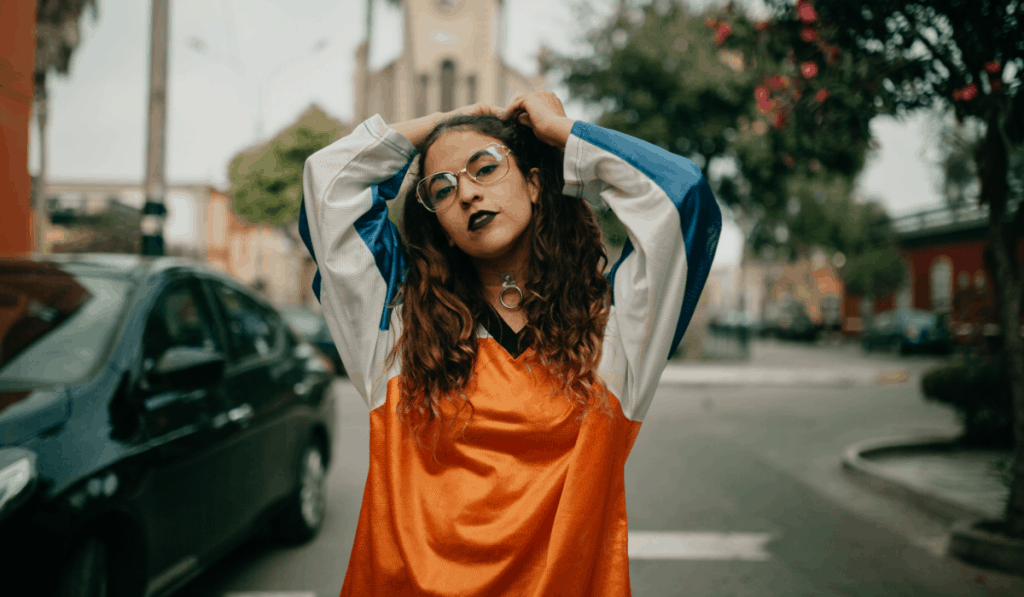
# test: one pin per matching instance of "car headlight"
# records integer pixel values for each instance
(17, 477)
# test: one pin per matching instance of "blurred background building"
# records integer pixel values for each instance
(450, 56)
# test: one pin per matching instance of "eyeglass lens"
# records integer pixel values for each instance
(484, 166)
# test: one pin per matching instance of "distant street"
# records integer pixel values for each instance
(732, 491)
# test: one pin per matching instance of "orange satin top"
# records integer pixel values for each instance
(528, 501)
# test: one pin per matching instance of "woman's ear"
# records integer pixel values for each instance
(533, 183)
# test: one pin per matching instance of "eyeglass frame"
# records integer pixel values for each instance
(464, 170)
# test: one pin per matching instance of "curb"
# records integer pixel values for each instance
(982, 548)
(966, 541)
(698, 375)
(881, 480)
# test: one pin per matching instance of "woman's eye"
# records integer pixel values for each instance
(442, 193)
(485, 170)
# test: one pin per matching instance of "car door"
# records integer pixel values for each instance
(261, 378)
(185, 448)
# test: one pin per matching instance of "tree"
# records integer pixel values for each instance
(57, 37)
(266, 181)
(967, 57)
(722, 86)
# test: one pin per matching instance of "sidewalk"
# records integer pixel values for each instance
(776, 363)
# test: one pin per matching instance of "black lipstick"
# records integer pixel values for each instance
(480, 219)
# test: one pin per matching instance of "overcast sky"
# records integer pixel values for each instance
(97, 118)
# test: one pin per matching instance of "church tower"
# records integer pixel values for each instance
(451, 56)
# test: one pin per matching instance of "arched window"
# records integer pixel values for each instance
(471, 89)
(447, 86)
(941, 278)
(421, 95)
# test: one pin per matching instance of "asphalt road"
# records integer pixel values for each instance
(734, 491)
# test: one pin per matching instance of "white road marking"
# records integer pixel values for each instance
(654, 545)
(272, 594)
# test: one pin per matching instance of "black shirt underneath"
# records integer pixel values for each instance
(511, 341)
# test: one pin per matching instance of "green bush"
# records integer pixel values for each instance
(978, 391)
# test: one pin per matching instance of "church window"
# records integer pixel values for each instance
(447, 86)
(421, 95)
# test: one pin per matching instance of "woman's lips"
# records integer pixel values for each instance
(480, 219)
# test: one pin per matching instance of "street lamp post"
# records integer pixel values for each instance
(263, 81)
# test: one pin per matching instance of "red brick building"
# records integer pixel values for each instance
(947, 270)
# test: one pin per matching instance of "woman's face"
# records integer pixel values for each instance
(510, 200)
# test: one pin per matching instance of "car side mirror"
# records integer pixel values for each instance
(187, 368)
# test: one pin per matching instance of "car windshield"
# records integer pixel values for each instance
(54, 323)
(304, 322)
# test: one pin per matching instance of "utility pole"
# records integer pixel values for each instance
(154, 211)
(366, 63)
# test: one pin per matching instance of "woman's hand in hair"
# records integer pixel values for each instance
(417, 129)
(542, 111)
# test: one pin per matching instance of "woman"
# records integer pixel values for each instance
(506, 375)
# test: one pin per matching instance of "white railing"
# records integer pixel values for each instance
(972, 213)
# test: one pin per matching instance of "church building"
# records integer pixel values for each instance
(450, 56)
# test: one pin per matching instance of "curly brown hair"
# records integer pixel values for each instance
(566, 295)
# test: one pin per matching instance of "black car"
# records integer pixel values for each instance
(153, 413)
(313, 327)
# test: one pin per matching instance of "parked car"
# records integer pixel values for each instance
(153, 413)
(789, 320)
(908, 330)
(738, 320)
(313, 327)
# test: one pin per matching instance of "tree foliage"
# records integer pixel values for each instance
(266, 181)
(967, 57)
(721, 85)
(57, 33)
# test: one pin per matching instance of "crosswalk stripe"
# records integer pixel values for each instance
(654, 545)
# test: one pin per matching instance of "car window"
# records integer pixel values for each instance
(179, 318)
(55, 325)
(253, 329)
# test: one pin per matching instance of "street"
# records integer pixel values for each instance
(731, 491)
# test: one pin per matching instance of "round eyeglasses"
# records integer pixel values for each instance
(486, 165)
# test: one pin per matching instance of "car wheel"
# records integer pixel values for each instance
(304, 514)
(85, 573)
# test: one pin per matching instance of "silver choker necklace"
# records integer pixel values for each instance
(509, 283)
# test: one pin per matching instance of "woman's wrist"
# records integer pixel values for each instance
(560, 130)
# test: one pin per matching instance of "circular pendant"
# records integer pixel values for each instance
(510, 284)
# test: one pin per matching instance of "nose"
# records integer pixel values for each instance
(468, 190)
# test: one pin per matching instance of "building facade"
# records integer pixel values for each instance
(451, 56)
(947, 267)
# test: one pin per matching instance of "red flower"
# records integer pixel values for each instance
(821, 96)
(967, 93)
(789, 161)
(806, 12)
(722, 33)
(764, 100)
(807, 34)
(992, 67)
(809, 69)
(777, 81)
(779, 120)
